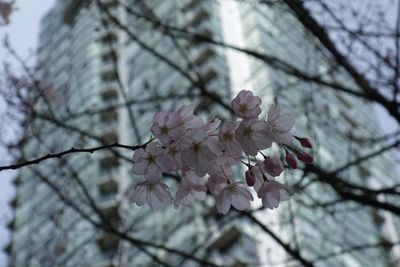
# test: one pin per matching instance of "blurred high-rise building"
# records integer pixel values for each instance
(101, 83)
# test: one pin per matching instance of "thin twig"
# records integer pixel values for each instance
(69, 151)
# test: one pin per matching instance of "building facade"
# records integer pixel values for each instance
(102, 83)
(332, 119)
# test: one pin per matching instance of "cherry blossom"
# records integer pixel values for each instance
(304, 141)
(190, 121)
(272, 193)
(280, 124)
(228, 141)
(151, 162)
(192, 187)
(253, 135)
(167, 127)
(204, 155)
(216, 183)
(305, 157)
(172, 151)
(246, 105)
(5, 11)
(233, 195)
(273, 165)
(196, 151)
(222, 166)
(291, 160)
(155, 194)
(250, 176)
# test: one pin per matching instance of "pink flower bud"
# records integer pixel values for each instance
(305, 142)
(273, 165)
(305, 157)
(250, 177)
(291, 161)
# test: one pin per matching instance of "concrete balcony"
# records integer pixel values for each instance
(202, 34)
(71, 9)
(11, 224)
(109, 75)
(16, 180)
(109, 97)
(108, 242)
(204, 54)
(225, 239)
(109, 38)
(238, 263)
(109, 115)
(7, 248)
(109, 210)
(13, 202)
(209, 75)
(198, 17)
(108, 187)
(107, 263)
(110, 137)
(110, 3)
(190, 4)
(109, 92)
(109, 161)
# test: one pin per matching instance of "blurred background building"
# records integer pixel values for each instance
(104, 84)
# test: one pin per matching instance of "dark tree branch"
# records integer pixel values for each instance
(320, 33)
(69, 151)
(294, 253)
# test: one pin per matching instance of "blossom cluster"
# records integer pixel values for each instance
(5, 11)
(202, 156)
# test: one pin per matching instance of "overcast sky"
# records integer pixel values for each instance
(23, 33)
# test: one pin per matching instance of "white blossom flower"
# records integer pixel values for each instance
(155, 195)
(279, 124)
(190, 121)
(196, 151)
(233, 195)
(272, 193)
(228, 141)
(151, 162)
(246, 105)
(192, 148)
(192, 187)
(167, 127)
(253, 135)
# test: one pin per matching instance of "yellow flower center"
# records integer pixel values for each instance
(243, 108)
(248, 131)
(228, 136)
